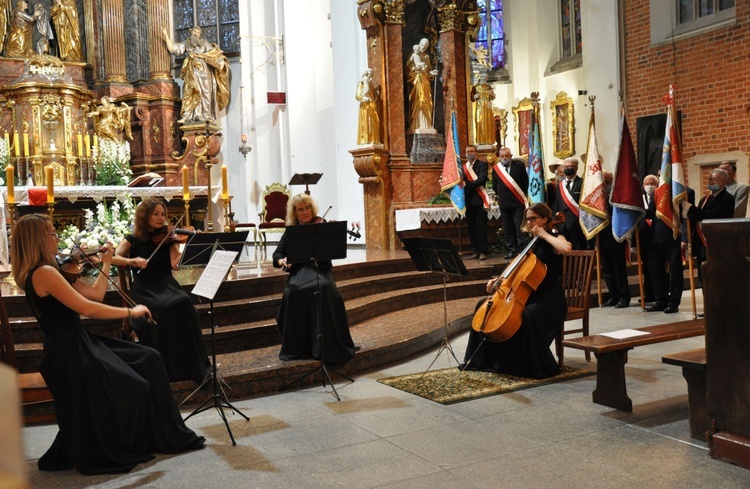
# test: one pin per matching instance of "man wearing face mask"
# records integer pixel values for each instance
(717, 204)
(511, 182)
(477, 202)
(567, 196)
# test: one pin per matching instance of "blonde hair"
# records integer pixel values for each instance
(30, 248)
(291, 215)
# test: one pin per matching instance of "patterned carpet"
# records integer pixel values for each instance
(450, 385)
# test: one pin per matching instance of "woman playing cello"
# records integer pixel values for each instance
(306, 331)
(527, 353)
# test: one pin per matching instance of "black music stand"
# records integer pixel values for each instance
(305, 179)
(309, 245)
(217, 268)
(438, 256)
(201, 246)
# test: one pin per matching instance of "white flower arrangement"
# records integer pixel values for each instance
(110, 224)
(113, 163)
(4, 157)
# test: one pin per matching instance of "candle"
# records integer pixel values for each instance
(80, 145)
(16, 145)
(7, 142)
(224, 183)
(96, 142)
(10, 175)
(87, 140)
(244, 138)
(26, 144)
(50, 185)
(185, 188)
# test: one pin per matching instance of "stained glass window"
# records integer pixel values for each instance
(491, 35)
(570, 27)
(692, 10)
(219, 21)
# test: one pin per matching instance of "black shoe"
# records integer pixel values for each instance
(482, 256)
(611, 302)
(656, 307)
(670, 310)
(509, 255)
(473, 257)
(700, 315)
(622, 303)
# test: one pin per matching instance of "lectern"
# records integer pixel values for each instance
(305, 179)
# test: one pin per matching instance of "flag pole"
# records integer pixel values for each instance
(598, 273)
(640, 267)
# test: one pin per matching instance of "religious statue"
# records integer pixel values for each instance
(205, 76)
(21, 27)
(368, 128)
(65, 19)
(4, 10)
(421, 75)
(484, 118)
(44, 28)
(111, 120)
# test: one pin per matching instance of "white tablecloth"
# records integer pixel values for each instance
(407, 219)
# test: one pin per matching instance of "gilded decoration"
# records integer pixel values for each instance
(501, 125)
(449, 17)
(522, 116)
(394, 12)
(563, 126)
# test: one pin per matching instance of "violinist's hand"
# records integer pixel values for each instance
(490, 288)
(283, 264)
(137, 262)
(106, 253)
(140, 311)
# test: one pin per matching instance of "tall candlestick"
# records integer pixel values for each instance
(80, 145)
(16, 145)
(50, 184)
(87, 140)
(185, 188)
(224, 183)
(10, 175)
(26, 144)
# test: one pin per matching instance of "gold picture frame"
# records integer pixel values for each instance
(563, 126)
(522, 117)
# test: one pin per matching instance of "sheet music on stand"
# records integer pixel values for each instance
(213, 276)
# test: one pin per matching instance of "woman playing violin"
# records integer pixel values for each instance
(109, 395)
(306, 330)
(177, 334)
(527, 353)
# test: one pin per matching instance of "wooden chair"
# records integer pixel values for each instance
(273, 216)
(33, 387)
(576, 281)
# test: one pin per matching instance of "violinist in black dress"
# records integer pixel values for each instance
(177, 333)
(305, 331)
(113, 402)
(527, 353)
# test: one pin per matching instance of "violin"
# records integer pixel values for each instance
(172, 234)
(74, 264)
(501, 314)
(353, 233)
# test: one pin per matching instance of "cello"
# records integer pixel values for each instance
(501, 314)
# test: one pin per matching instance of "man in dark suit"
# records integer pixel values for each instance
(477, 203)
(717, 204)
(511, 182)
(567, 197)
(613, 258)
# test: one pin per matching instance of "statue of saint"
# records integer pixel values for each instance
(44, 28)
(111, 120)
(21, 27)
(368, 129)
(205, 76)
(421, 75)
(4, 10)
(484, 119)
(65, 18)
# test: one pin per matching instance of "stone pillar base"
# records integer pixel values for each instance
(426, 148)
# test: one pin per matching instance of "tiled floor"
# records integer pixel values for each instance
(546, 437)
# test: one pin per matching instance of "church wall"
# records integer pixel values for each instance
(533, 48)
(710, 74)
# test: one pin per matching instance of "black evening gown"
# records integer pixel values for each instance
(177, 334)
(527, 353)
(112, 398)
(303, 336)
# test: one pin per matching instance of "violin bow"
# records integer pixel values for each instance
(162, 241)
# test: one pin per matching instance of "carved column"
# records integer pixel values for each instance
(113, 35)
(159, 59)
(455, 78)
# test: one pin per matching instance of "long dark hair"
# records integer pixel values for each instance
(142, 213)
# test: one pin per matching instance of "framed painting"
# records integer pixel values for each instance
(522, 116)
(563, 126)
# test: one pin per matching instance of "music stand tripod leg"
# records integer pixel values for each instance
(446, 344)
(218, 399)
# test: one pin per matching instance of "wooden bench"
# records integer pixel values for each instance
(612, 355)
(693, 363)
